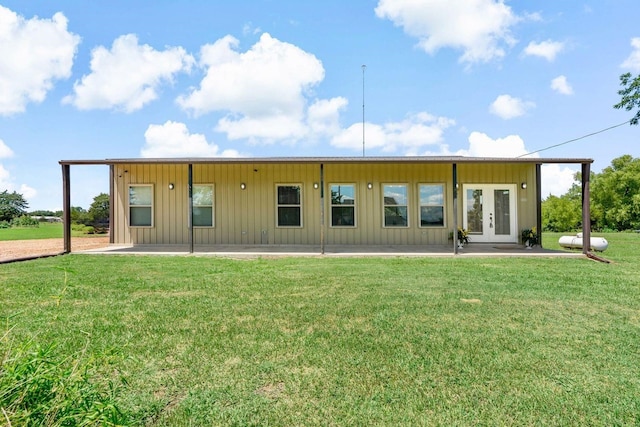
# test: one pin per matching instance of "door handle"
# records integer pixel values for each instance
(491, 220)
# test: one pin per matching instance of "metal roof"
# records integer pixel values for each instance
(398, 159)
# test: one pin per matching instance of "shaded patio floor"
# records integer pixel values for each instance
(246, 251)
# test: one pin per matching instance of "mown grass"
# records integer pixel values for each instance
(45, 230)
(344, 341)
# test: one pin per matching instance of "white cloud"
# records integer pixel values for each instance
(27, 192)
(556, 179)
(33, 54)
(409, 135)
(561, 85)
(480, 28)
(633, 61)
(173, 139)
(128, 76)
(6, 183)
(324, 114)
(264, 88)
(508, 107)
(547, 49)
(5, 151)
(481, 145)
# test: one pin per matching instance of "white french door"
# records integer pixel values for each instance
(490, 212)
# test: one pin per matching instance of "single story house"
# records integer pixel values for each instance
(322, 200)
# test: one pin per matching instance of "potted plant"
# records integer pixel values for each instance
(530, 237)
(463, 237)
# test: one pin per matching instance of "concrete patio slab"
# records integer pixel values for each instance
(477, 249)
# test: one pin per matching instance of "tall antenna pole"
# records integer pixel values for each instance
(363, 68)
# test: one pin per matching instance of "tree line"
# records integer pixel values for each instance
(13, 213)
(615, 200)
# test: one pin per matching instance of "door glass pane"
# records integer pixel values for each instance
(503, 214)
(474, 211)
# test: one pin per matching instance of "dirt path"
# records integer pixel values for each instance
(12, 249)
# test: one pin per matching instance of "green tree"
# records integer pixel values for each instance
(79, 215)
(99, 210)
(615, 194)
(12, 205)
(562, 213)
(630, 94)
(43, 213)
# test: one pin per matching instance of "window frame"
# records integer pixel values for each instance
(134, 206)
(353, 206)
(299, 205)
(406, 206)
(212, 205)
(444, 204)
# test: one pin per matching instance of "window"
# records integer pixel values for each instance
(202, 205)
(141, 205)
(431, 205)
(289, 206)
(343, 200)
(395, 205)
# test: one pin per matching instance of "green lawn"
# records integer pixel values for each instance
(343, 341)
(44, 231)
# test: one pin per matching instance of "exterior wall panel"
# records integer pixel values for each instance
(249, 216)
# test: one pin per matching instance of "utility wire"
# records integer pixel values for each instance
(575, 139)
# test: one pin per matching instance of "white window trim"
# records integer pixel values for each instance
(213, 205)
(129, 206)
(355, 204)
(408, 187)
(444, 205)
(292, 184)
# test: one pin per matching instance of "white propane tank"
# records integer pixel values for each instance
(575, 242)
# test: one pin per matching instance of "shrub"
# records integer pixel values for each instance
(5, 224)
(81, 228)
(25, 221)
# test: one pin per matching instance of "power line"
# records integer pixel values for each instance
(575, 139)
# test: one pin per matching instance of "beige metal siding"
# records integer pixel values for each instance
(369, 203)
(249, 216)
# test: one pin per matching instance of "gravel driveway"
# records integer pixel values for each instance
(13, 249)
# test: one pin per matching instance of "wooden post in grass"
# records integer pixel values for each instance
(586, 209)
(66, 208)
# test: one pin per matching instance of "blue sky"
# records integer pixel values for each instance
(120, 79)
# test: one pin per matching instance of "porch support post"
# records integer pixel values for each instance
(455, 208)
(539, 202)
(190, 208)
(586, 208)
(66, 207)
(111, 203)
(322, 208)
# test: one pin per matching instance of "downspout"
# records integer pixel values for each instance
(455, 208)
(190, 208)
(539, 202)
(586, 209)
(66, 208)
